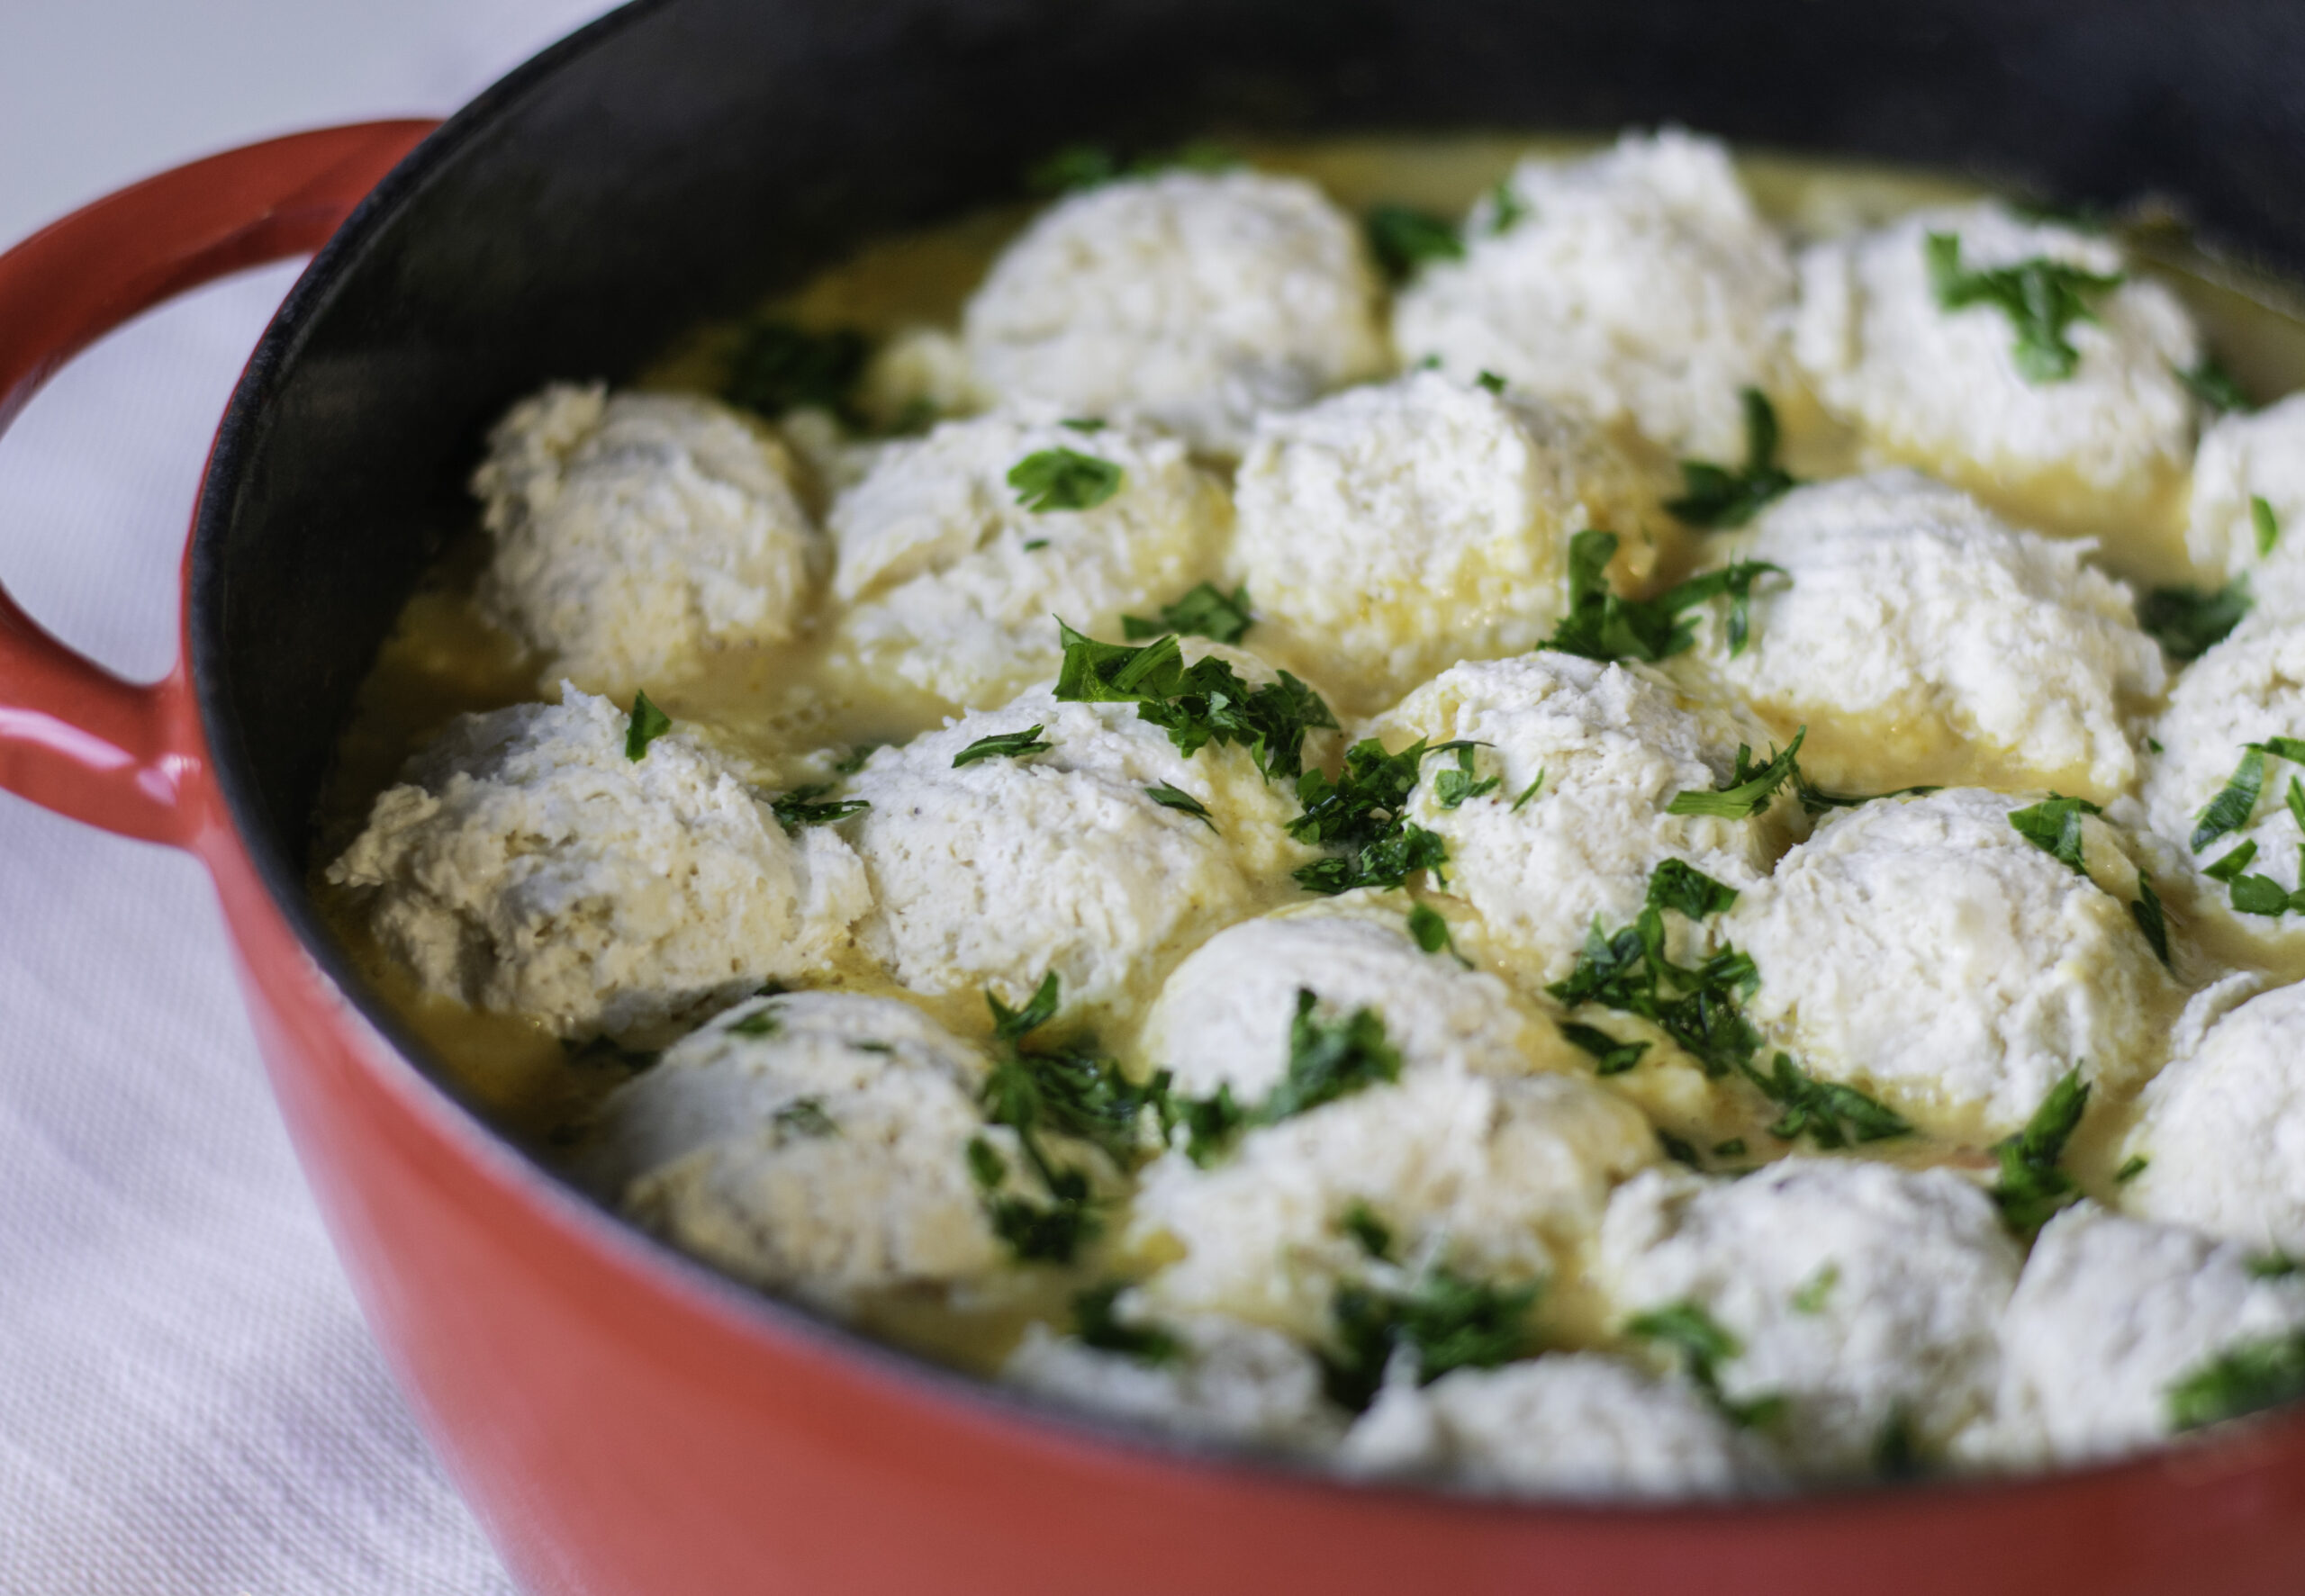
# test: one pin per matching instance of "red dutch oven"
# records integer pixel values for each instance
(624, 1422)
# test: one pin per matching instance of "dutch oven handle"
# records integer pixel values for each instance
(73, 736)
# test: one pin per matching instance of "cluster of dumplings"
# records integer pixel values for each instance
(1396, 477)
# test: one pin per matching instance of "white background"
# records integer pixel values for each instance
(188, 1403)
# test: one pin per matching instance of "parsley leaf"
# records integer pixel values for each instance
(1829, 1113)
(1181, 801)
(2246, 1378)
(1751, 787)
(2188, 622)
(1075, 167)
(761, 1021)
(1716, 496)
(2042, 298)
(2151, 919)
(1812, 1297)
(801, 807)
(1096, 1325)
(778, 366)
(1816, 800)
(1697, 1008)
(1203, 703)
(1704, 1346)
(2230, 809)
(2054, 828)
(1403, 238)
(1203, 612)
(2271, 1266)
(2252, 895)
(1452, 789)
(1602, 625)
(1064, 479)
(1688, 890)
(1506, 208)
(1528, 792)
(1004, 745)
(1034, 1232)
(805, 1116)
(2135, 1165)
(1327, 1059)
(1429, 930)
(2267, 525)
(849, 764)
(1011, 1024)
(1210, 1123)
(2031, 1188)
(2213, 385)
(1360, 1223)
(647, 723)
(1610, 1056)
(1443, 1323)
(1364, 812)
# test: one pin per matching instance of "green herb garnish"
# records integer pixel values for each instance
(1683, 888)
(1443, 1323)
(2042, 299)
(2151, 919)
(1004, 745)
(1403, 238)
(1428, 929)
(806, 1117)
(647, 723)
(778, 366)
(2188, 622)
(1327, 1059)
(1813, 1295)
(1829, 1113)
(2253, 895)
(1077, 166)
(1181, 801)
(1203, 612)
(1750, 788)
(1687, 1329)
(2248, 1378)
(1064, 479)
(1096, 1324)
(1051, 1232)
(1452, 789)
(1676, 1150)
(2054, 827)
(1602, 625)
(1506, 208)
(2135, 1165)
(2231, 808)
(2032, 1187)
(761, 1021)
(1696, 1008)
(1360, 1223)
(2265, 523)
(1364, 812)
(802, 806)
(2213, 385)
(1610, 1056)
(1206, 702)
(2272, 1266)
(1717, 496)
(1528, 792)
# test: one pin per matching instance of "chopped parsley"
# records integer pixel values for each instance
(1210, 1123)
(803, 807)
(1064, 479)
(1443, 1322)
(2032, 1188)
(600, 1050)
(2054, 828)
(2135, 1165)
(1610, 1056)
(1203, 612)
(2213, 385)
(1686, 1328)
(2253, 895)
(1012, 1024)
(1076, 167)
(805, 1116)
(2248, 1378)
(779, 366)
(647, 723)
(1051, 1232)
(1750, 788)
(2151, 919)
(2188, 622)
(1682, 886)
(1428, 929)
(1327, 1059)
(1718, 496)
(1734, 1148)
(1696, 1008)
(2272, 1266)
(1829, 1113)
(1004, 745)
(1676, 1150)
(1452, 789)
(2230, 809)
(2265, 523)
(1096, 1325)
(2042, 299)
(1181, 801)
(1528, 792)
(1364, 813)
(1602, 625)
(1489, 381)
(849, 764)
(1206, 702)
(1506, 208)
(1815, 1293)
(761, 1021)
(1403, 238)
(1360, 1223)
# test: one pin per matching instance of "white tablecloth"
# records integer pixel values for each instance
(188, 1400)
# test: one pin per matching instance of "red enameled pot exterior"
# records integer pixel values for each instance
(625, 1425)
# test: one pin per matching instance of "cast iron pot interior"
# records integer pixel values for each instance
(681, 158)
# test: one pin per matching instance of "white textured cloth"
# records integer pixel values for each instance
(188, 1401)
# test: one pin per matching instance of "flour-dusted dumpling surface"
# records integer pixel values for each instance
(815, 1142)
(2110, 1315)
(2248, 689)
(1401, 528)
(2223, 1131)
(633, 533)
(525, 864)
(2245, 457)
(1575, 1424)
(1923, 951)
(1212, 1377)
(1541, 859)
(1865, 1297)
(1922, 639)
(1224, 1018)
(1947, 389)
(1637, 285)
(956, 585)
(1491, 1178)
(1195, 300)
(996, 872)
